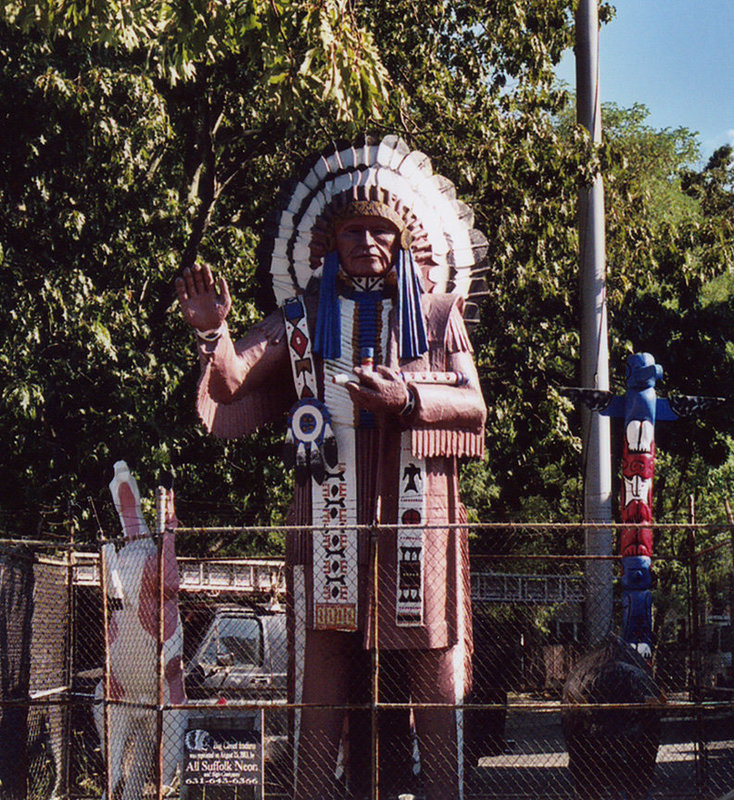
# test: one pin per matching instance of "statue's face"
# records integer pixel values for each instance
(367, 246)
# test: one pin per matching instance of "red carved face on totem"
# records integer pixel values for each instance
(636, 541)
(367, 246)
(638, 511)
(636, 496)
(641, 464)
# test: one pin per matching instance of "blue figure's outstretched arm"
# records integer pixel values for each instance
(605, 402)
(686, 406)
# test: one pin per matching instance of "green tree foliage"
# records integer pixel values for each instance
(476, 93)
(669, 261)
(113, 167)
(140, 138)
(294, 51)
(678, 307)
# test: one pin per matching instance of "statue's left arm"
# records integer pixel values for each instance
(445, 419)
(448, 420)
(460, 406)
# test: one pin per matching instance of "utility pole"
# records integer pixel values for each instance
(594, 346)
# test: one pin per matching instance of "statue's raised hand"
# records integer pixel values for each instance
(204, 304)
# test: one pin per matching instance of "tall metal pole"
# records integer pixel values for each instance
(594, 347)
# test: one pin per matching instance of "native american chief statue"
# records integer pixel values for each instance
(370, 257)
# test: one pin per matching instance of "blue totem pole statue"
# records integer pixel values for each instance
(640, 407)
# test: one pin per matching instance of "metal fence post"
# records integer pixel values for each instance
(262, 752)
(697, 667)
(374, 720)
(730, 520)
(69, 664)
(107, 672)
(160, 526)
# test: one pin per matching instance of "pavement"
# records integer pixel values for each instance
(537, 765)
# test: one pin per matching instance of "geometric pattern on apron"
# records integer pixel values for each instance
(334, 503)
(410, 540)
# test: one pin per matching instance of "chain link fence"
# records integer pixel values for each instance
(35, 671)
(482, 685)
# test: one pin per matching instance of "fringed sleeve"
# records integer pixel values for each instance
(433, 442)
(448, 420)
(244, 385)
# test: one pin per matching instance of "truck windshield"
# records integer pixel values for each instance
(237, 639)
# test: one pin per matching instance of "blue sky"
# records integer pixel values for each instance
(677, 58)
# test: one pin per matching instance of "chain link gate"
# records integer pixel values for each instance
(393, 736)
(35, 669)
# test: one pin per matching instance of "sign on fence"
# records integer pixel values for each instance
(218, 754)
(223, 758)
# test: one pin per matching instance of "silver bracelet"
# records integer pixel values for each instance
(211, 335)
(409, 403)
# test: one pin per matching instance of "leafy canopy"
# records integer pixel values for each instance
(302, 51)
(139, 138)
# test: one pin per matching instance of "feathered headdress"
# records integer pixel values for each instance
(383, 178)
